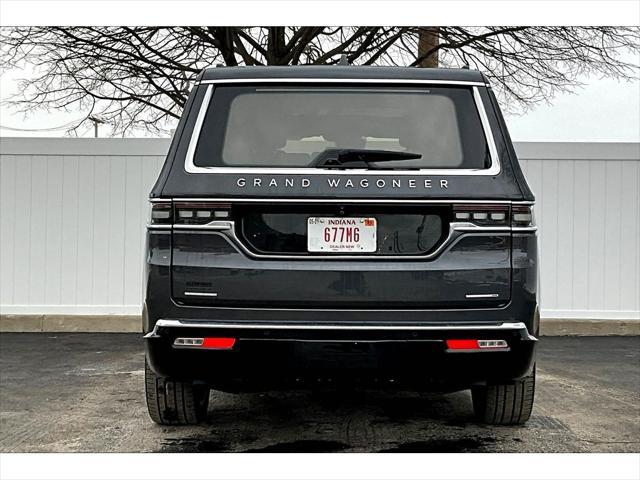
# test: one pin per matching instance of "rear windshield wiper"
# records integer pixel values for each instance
(358, 157)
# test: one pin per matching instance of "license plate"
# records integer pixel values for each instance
(341, 234)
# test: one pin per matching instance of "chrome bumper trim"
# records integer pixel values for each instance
(380, 201)
(279, 326)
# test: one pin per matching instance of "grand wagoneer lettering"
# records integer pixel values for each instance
(336, 183)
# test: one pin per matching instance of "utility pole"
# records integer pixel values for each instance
(428, 39)
(96, 121)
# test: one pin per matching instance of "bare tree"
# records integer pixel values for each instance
(139, 77)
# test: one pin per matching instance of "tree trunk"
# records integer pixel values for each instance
(427, 41)
(276, 46)
(225, 41)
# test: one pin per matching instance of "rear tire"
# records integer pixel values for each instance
(505, 404)
(174, 403)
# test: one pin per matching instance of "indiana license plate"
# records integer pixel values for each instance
(341, 234)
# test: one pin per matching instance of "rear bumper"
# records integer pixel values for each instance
(289, 355)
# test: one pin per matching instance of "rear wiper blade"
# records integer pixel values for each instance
(358, 157)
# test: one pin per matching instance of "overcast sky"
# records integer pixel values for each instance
(603, 110)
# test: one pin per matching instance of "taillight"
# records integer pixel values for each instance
(161, 213)
(521, 216)
(494, 214)
(210, 343)
(462, 344)
(201, 213)
(482, 214)
(471, 345)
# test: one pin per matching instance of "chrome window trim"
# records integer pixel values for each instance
(191, 167)
(189, 164)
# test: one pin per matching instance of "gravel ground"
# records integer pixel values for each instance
(84, 393)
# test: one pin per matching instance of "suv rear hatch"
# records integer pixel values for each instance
(325, 198)
(256, 255)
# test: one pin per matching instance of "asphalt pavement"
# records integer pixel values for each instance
(85, 393)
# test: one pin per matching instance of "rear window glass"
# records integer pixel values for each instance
(289, 127)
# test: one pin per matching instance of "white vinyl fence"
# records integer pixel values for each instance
(72, 216)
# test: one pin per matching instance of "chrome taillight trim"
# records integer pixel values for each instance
(191, 167)
(213, 225)
(456, 231)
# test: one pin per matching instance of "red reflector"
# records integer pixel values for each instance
(462, 344)
(221, 343)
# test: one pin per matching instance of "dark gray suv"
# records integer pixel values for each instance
(328, 227)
